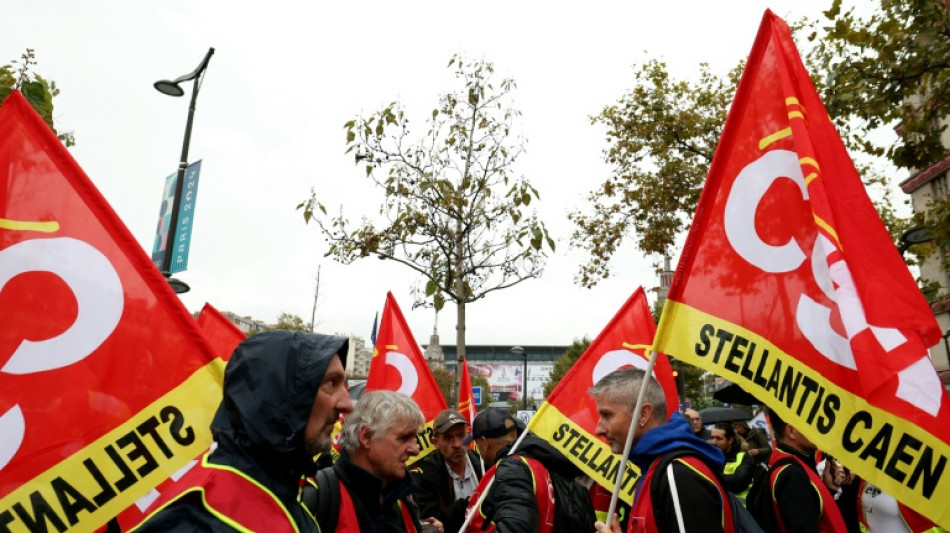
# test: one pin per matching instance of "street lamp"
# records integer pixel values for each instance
(914, 235)
(172, 88)
(518, 350)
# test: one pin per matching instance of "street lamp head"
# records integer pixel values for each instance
(177, 285)
(171, 88)
(914, 235)
(518, 350)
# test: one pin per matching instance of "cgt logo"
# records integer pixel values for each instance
(917, 383)
(100, 299)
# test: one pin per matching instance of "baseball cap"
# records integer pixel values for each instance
(490, 423)
(446, 419)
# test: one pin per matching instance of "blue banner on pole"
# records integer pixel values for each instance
(181, 242)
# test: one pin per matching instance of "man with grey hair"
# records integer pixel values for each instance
(370, 484)
(678, 489)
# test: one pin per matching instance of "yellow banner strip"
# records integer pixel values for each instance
(891, 452)
(589, 453)
(94, 484)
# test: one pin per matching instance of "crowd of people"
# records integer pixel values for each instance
(284, 391)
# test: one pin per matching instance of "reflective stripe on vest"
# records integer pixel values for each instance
(348, 522)
(731, 468)
(642, 518)
(831, 520)
(543, 493)
(231, 496)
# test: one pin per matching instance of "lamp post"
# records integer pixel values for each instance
(914, 235)
(518, 350)
(172, 88)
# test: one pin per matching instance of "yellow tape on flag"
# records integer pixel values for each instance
(589, 453)
(897, 456)
(94, 484)
(424, 440)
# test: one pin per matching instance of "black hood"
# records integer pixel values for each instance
(270, 384)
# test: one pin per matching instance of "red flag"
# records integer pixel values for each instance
(107, 386)
(568, 418)
(466, 396)
(790, 286)
(398, 365)
(221, 332)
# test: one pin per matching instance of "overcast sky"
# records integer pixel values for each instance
(284, 79)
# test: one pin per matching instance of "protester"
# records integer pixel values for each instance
(283, 391)
(449, 475)
(739, 468)
(696, 420)
(535, 489)
(374, 484)
(754, 441)
(684, 493)
(801, 497)
(879, 512)
(492, 430)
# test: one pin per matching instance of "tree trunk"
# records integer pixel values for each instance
(460, 306)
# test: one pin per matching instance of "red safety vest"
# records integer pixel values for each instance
(348, 522)
(915, 522)
(642, 519)
(543, 493)
(831, 520)
(230, 496)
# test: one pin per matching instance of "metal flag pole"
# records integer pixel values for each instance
(647, 374)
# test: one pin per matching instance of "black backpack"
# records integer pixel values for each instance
(758, 501)
(323, 499)
(741, 519)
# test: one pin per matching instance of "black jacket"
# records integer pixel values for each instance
(799, 505)
(511, 502)
(435, 495)
(739, 480)
(377, 509)
(269, 388)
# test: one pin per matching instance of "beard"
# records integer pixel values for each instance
(318, 445)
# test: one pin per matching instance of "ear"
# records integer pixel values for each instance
(646, 413)
(366, 437)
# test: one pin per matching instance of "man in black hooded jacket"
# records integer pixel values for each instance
(283, 391)
(513, 503)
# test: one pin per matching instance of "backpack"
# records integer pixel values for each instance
(742, 520)
(758, 501)
(323, 498)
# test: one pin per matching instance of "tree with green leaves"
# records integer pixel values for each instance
(289, 321)
(455, 209)
(565, 362)
(662, 133)
(38, 91)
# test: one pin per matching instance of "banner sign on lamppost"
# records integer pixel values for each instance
(181, 240)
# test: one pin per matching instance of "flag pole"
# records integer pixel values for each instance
(647, 374)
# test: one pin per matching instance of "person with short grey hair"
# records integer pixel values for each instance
(377, 440)
(378, 412)
(679, 488)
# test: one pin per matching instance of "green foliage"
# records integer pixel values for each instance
(38, 91)
(661, 134)
(455, 212)
(446, 382)
(697, 382)
(289, 321)
(890, 67)
(565, 362)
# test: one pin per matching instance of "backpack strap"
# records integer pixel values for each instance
(661, 468)
(327, 508)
